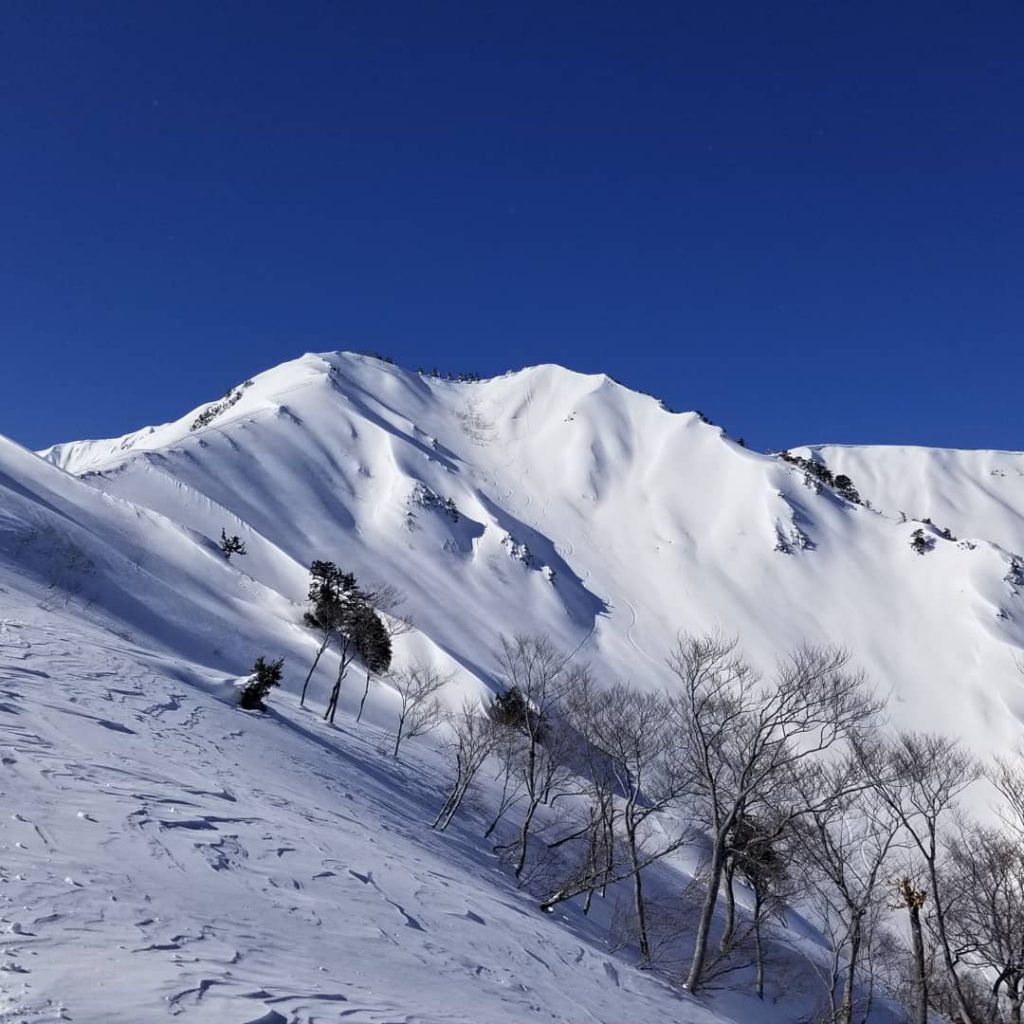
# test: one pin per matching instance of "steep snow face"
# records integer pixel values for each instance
(95, 555)
(550, 501)
(974, 494)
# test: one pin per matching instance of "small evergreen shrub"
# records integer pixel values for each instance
(846, 490)
(211, 412)
(265, 676)
(921, 542)
(510, 709)
(232, 545)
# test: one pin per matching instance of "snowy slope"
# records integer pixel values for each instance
(168, 855)
(977, 493)
(638, 523)
(165, 854)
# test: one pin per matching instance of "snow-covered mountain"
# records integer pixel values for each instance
(552, 501)
(167, 854)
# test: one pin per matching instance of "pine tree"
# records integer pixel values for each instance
(330, 590)
(232, 545)
(344, 629)
(921, 542)
(845, 489)
(373, 644)
(510, 708)
(264, 678)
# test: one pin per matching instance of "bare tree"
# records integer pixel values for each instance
(912, 898)
(473, 739)
(591, 822)
(630, 732)
(986, 923)
(741, 740)
(925, 776)
(757, 859)
(540, 675)
(419, 709)
(845, 842)
(508, 745)
(593, 837)
(1008, 778)
(388, 599)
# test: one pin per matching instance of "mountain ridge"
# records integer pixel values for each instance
(600, 517)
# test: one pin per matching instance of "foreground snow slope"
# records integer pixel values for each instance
(165, 854)
(547, 500)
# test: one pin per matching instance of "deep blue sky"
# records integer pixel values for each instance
(806, 219)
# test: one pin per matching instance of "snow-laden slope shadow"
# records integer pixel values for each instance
(582, 605)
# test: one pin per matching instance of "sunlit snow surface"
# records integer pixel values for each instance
(167, 854)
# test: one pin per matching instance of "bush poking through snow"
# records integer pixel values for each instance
(921, 542)
(264, 678)
(846, 490)
(232, 545)
(212, 411)
(1015, 575)
(509, 708)
(817, 475)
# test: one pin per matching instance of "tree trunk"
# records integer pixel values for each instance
(366, 690)
(846, 1007)
(502, 808)
(452, 805)
(503, 804)
(316, 661)
(609, 853)
(729, 875)
(398, 737)
(524, 835)
(758, 944)
(444, 810)
(707, 913)
(947, 956)
(638, 907)
(638, 896)
(343, 664)
(332, 704)
(920, 975)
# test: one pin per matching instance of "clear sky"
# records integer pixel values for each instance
(804, 218)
